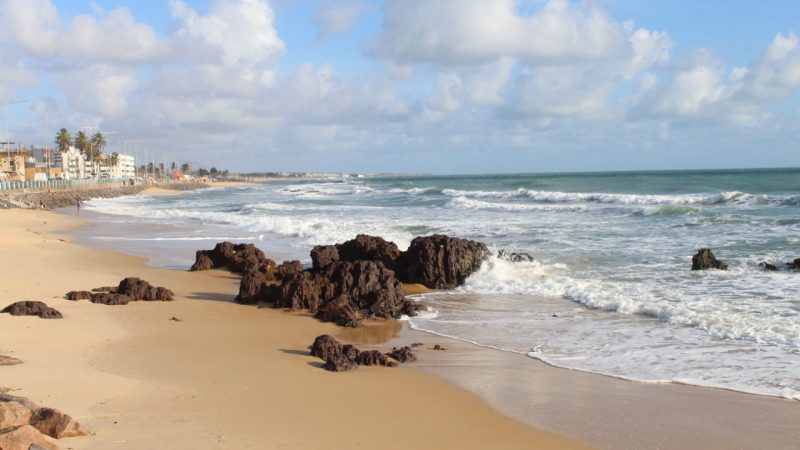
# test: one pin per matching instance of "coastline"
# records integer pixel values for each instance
(225, 376)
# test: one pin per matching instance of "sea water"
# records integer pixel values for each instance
(610, 288)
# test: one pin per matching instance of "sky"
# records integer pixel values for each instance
(411, 86)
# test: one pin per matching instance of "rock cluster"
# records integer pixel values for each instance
(342, 357)
(32, 308)
(704, 259)
(23, 424)
(129, 289)
(239, 258)
(514, 256)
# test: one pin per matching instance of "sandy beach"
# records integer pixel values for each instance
(223, 376)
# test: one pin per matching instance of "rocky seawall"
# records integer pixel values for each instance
(63, 198)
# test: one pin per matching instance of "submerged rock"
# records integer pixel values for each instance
(767, 266)
(514, 256)
(793, 265)
(704, 259)
(440, 262)
(32, 308)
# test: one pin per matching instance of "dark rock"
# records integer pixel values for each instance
(288, 268)
(323, 255)
(202, 261)
(417, 344)
(105, 298)
(138, 289)
(704, 259)
(374, 358)
(325, 346)
(108, 289)
(793, 265)
(440, 262)
(78, 295)
(350, 352)
(301, 290)
(411, 308)
(234, 257)
(369, 248)
(32, 308)
(339, 311)
(767, 266)
(402, 354)
(514, 256)
(251, 288)
(337, 363)
(438, 347)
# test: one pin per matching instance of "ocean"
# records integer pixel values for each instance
(609, 291)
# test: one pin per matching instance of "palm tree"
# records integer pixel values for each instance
(82, 143)
(185, 168)
(63, 140)
(113, 159)
(98, 143)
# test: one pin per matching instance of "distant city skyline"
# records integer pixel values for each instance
(449, 86)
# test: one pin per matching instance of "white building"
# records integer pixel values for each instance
(72, 163)
(125, 167)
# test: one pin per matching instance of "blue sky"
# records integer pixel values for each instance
(448, 86)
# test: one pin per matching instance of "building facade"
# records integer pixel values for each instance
(72, 163)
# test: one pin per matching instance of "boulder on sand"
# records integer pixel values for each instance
(25, 437)
(362, 248)
(32, 308)
(138, 289)
(440, 262)
(324, 346)
(13, 414)
(78, 295)
(104, 298)
(704, 259)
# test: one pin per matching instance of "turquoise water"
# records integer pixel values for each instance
(610, 290)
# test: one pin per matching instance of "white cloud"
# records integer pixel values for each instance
(477, 31)
(241, 31)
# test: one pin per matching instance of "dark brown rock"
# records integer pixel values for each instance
(411, 308)
(440, 262)
(303, 290)
(32, 308)
(350, 352)
(288, 268)
(402, 354)
(368, 284)
(337, 363)
(251, 288)
(438, 347)
(767, 266)
(138, 289)
(107, 289)
(793, 265)
(514, 256)
(104, 298)
(325, 346)
(202, 261)
(704, 259)
(323, 255)
(56, 424)
(78, 295)
(234, 257)
(374, 358)
(339, 311)
(369, 248)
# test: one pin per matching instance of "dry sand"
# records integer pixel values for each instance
(224, 376)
